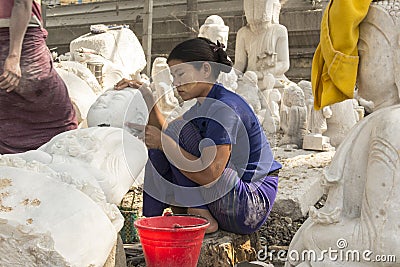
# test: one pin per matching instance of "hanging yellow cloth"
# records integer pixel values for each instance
(335, 62)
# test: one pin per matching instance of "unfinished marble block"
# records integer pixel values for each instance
(80, 93)
(44, 222)
(121, 47)
(316, 142)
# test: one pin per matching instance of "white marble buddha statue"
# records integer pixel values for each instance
(262, 45)
(215, 29)
(73, 172)
(363, 180)
(163, 89)
(112, 155)
(293, 123)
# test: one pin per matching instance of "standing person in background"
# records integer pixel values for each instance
(34, 101)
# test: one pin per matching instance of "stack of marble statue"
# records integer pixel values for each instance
(262, 54)
(117, 53)
(360, 220)
(58, 204)
(261, 60)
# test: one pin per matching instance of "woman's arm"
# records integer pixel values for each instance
(20, 16)
(204, 170)
(156, 118)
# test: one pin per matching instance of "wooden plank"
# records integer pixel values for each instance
(105, 12)
(66, 23)
(100, 7)
(147, 33)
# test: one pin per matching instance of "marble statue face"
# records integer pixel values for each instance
(375, 71)
(258, 11)
(115, 108)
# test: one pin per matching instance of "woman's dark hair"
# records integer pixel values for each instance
(202, 49)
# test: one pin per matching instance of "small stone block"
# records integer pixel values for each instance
(316, 142)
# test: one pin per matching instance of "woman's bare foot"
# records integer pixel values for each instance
(206, 214)
(179, 210)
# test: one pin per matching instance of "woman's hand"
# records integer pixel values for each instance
(127, 83)
(136, 129)
(152, 137)
(9, 79)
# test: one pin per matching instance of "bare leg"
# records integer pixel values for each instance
(206, 214)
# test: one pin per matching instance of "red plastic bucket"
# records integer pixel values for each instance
(171, 241)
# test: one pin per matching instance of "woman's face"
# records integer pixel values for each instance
(375, 77)
(188, 80)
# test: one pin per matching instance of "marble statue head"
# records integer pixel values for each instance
(260, 11)
(275, 95)
(250, 77)
(294, 96)
(378, 77)
(215, 29)
(117, 107)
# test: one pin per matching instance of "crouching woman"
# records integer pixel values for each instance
(215, 161)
